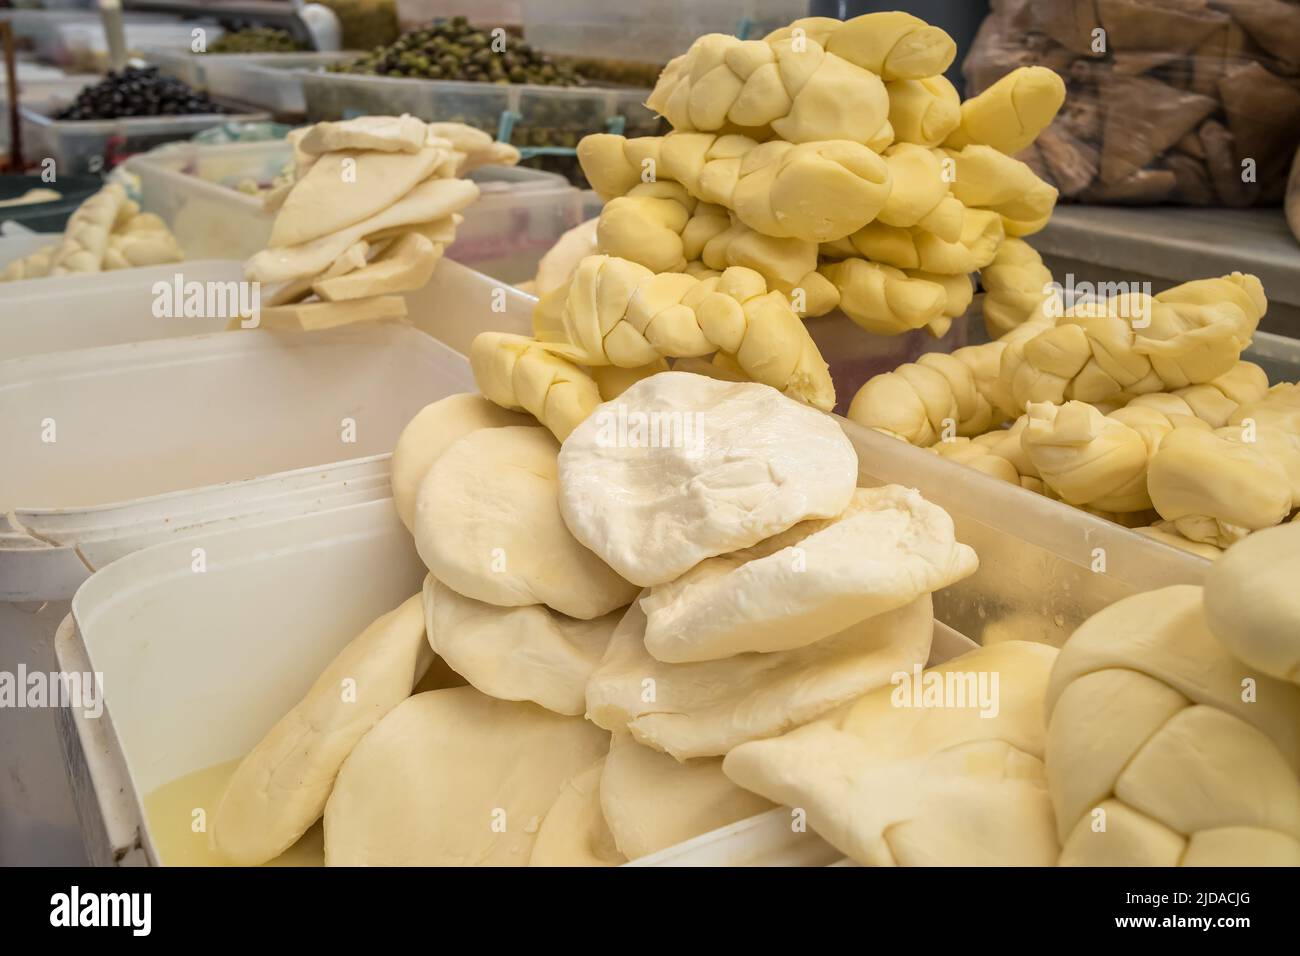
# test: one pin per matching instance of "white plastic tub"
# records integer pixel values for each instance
(255, 421)
(306, 587)
(57, 313)
(187, 700)
(519, 215)
(62, 313)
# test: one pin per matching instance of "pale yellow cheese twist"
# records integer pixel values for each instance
(1218, 486)
(893, 45)
(1133, 344)
(662, 227)
(616, 312)
(143, 240)
(973, 247)
(984, 178)
(1252, 604)
(997, 453)
(792, 87)
(1017, 286)
(1156, 756)
(816, 191)
(34, 265)
(85, 238)
(923, 111)
(646, 225)
(1100, 461)
(917, 401)
(521, 374)
(1011, 113)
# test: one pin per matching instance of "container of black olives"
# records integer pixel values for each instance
(454, 72)
(125, 113)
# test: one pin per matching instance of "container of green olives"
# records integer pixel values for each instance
(453, 72)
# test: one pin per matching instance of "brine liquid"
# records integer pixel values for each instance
(170, 811)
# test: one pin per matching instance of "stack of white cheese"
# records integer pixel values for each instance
(694, 569)
(370, 207)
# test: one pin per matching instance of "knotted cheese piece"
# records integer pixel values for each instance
(793, 86)
(1128, 345)
(984, 178)
(1010, 114)
(1252, 604)
(615, 312)
(1155, 754)
(523, 375)
(816, 191)
(942, 396)
(892, 45)
(1017, 287)
(86, 236)
(142, 240)
(1100, 461)
(923, 111)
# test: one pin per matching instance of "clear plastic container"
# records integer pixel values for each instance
(39, 30)
(60, 313)
(546, 115)
(343, 567)
(157, 441)
(651, 31)
(83, 45)
(519, 215)
(243, 76)
(91, 146)
(272, 81)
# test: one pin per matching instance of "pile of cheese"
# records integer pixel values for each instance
(1134, 407)
(364, 216)
(834, 159)
(107, 231)
(1166, 732)
(604, 620)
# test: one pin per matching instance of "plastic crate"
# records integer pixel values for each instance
(520, 213)
(82, 44)
(650, 31)
(541, 115)
(91, 146)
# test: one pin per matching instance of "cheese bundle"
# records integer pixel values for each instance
(1193, 759)
(370, 206)
(1135, 407)
(835, 160)
(106, 232)
(692, 569)
(827, 165)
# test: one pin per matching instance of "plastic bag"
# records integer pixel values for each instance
(1179, 101)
